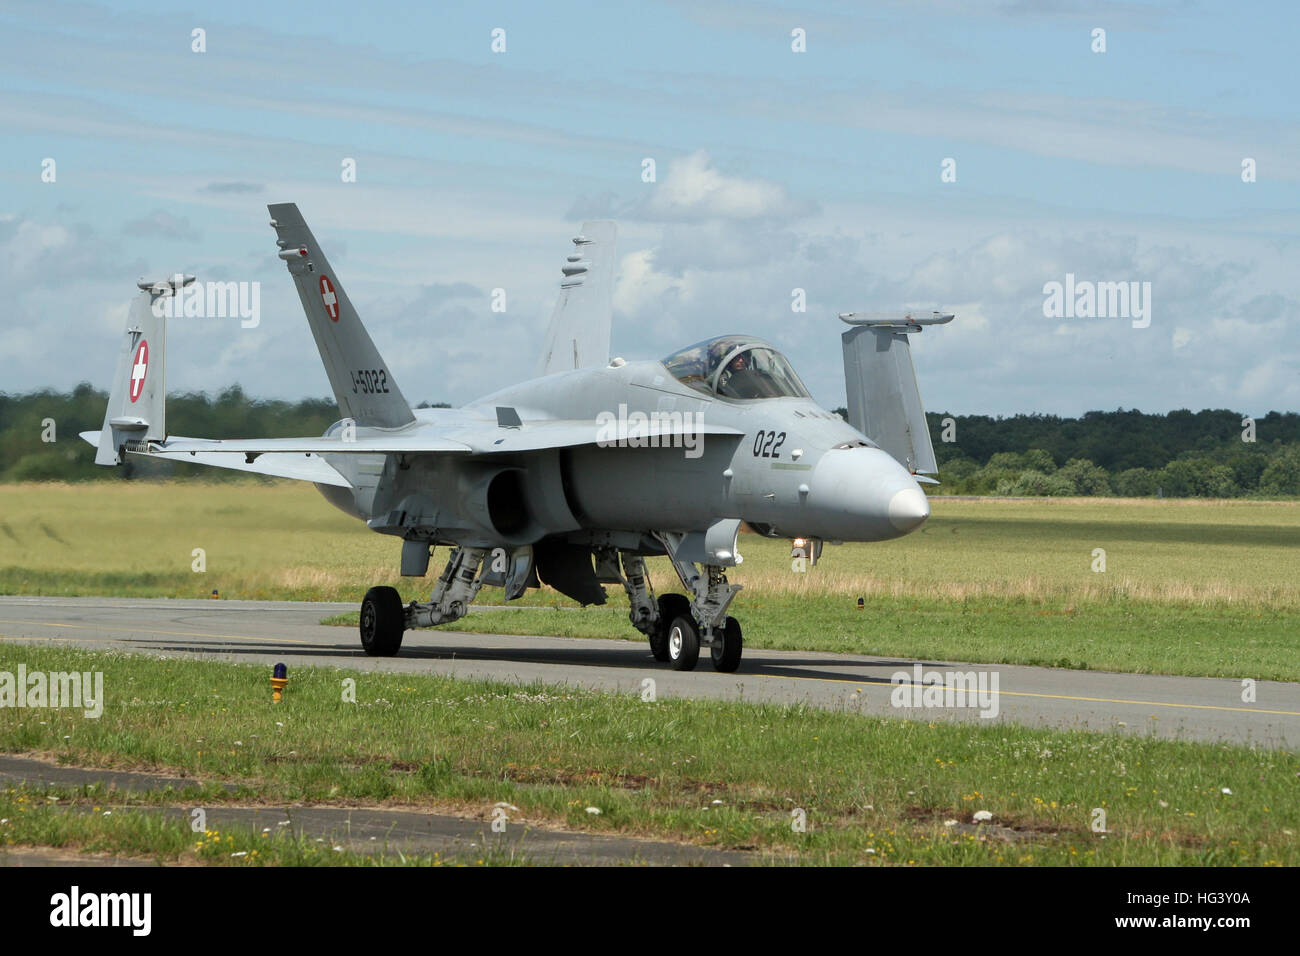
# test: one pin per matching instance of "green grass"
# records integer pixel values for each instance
(712, 773)
(91, 820)
(1190, 587)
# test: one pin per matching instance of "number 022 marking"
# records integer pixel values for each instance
(768, 444)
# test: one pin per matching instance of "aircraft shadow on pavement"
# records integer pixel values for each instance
(631, 656)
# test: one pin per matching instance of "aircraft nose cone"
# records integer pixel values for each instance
(862, 494)
(908, 508)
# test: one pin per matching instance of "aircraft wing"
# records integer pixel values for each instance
(177, 447)
(302, 467)
(484, 439)
(562, 433)
(300, 457)
(479, 439)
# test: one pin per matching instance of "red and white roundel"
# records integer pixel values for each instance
(329, 297)
(139, 367)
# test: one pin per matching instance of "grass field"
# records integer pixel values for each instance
(727, 774)
(1190, 587)
(92, 820)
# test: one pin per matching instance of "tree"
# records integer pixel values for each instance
(1085, 477)
(1136, 483)
(1282, 475)
(1040, 460)
(1033, 482)
(1198, 477)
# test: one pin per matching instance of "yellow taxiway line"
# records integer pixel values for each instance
(1018, 693)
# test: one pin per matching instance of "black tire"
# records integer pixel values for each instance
(382, 621)
(726, 656)
(683, 643)
(670, 606)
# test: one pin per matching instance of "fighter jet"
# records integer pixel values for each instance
(572, 478)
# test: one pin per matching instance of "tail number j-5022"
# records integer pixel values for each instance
(768, 444)
(370, 381)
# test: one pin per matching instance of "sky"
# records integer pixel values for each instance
(929, 154)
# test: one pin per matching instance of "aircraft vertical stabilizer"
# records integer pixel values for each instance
(363, 384)
(578, 335)
(884, 401)
(137, 404)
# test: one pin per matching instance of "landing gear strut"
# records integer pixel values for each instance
(455, 591)
(686, 624)
(652, 617)
(383, 619)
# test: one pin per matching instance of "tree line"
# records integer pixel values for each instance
(1210, 453)
(1215, 453)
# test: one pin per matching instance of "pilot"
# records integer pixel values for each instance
(737, 380)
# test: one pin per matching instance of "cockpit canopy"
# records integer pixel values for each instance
(736, 366)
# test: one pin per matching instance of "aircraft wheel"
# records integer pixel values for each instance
(671, 606)
(382, 622)
(726, 655)
(683, 643)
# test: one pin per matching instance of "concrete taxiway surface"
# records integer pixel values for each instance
(265, 632)
(361, 830)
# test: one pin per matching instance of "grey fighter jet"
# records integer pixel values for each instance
(574, 477)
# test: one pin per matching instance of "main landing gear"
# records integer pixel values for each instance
(382, 622)
(683, 646)
(679, 626)
(383, 618)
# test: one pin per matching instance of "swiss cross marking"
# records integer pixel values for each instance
(330, 298)
(138, 369)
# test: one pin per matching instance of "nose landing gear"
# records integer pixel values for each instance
(682, 624)
(727, 647)
(683, 643)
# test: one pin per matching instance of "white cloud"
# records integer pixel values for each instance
(692, 190)
(640, 285)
